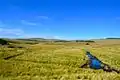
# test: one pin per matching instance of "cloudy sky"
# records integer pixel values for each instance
(62, 19)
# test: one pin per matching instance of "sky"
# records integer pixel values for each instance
(60, 19)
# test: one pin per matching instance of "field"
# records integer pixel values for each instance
(58, 61)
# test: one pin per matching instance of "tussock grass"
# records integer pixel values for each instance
(57, 62)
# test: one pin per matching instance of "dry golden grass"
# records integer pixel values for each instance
(57, 61)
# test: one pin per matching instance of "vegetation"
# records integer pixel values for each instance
(56, 61)
(3, 42)
(62, 41)
(112, 38)
(84, 41)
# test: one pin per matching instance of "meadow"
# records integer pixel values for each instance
(58, 61)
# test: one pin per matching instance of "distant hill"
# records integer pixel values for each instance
(37, 40)
(32, 39)
(112, 38)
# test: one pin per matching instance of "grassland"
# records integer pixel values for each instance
(58, 61)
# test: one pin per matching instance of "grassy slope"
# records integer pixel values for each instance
(58, 61)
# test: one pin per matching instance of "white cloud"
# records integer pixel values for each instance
(31, 36)
(38, 20)
(43, 17)
(53, 37)
(42, 36)
(10, 32)
(28, 23)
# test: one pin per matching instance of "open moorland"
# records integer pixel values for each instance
(57, 60)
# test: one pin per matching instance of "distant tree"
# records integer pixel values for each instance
(112, 38)
(61, 41)
(84, 41)
(80, 41)
(89, 41)
(87, 44)
(3, 42)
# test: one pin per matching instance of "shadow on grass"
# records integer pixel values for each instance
(9, 57)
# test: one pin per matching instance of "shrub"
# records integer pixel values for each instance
(87, 44)
(3, 42)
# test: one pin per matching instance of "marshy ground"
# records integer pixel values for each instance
(57, 61)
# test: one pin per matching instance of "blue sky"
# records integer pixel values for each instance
(62, 19)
